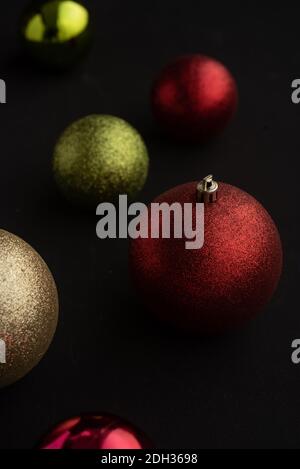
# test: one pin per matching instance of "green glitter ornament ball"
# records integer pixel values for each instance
(56, 33)
(99, 157)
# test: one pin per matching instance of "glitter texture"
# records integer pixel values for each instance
(95, 432)
(28, 307)
(99, 157)
(221, 285)
(194, 97)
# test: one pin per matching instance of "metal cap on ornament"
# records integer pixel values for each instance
(207, 190)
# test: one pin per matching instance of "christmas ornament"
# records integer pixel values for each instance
(99, 157)
(57, 33)
(194, 98)
(226, 282)
(28, 307)
(95, 432)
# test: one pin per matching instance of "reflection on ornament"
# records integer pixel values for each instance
(95, 432)
(56, 32)
(28, 308)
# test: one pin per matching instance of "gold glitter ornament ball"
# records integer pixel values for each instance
(28, 308)
(99, 157)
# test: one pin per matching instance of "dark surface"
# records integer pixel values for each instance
(236, 391)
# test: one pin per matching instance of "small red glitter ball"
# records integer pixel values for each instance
(95, 432)
(223, 284)
(194, 97)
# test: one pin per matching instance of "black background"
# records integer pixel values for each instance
(238, 391)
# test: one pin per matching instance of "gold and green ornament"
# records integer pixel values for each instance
(28, 308)
(56, 33)
(98, 158)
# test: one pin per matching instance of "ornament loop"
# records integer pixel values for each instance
(207, 190)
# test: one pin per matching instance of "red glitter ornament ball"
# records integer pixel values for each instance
(194, 98)
(95, 432)
(226, 282)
